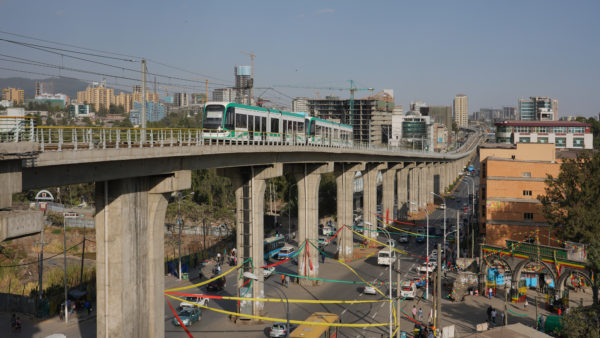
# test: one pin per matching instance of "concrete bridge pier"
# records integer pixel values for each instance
(308, 177)
(389, 191)
(249, 184)
(413, 193)
(130, 216)
(370, 199)
(344, 177)
(422, 185)
(403, 179)
(429, 175)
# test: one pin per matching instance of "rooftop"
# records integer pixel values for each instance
(519, 123)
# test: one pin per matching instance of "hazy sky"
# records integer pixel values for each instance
(493, 51)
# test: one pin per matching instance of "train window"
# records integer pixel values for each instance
(284, 127)
(251, 123)
(230, 118)
(263, 124)
(274, 125)
(312, 128)
(290, 126)
(241, 121)
(300, 127)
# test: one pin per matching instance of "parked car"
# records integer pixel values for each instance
(216, 285)
(278, 330)
(267, 272)
(442, 206)
(419, 282)
(359, 227)
(193, 301)
(390, 243)
(285, 252)
(188, 316)
(427, 267)
(403, 239)
(369, 290)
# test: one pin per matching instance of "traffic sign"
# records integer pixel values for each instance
(43, 206)
(70, 214)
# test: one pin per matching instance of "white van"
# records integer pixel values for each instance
(386, 257)
(408, 290)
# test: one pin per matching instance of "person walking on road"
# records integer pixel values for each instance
(414, 312)
(502, 316)
(494, 316)
(525, 304)
(282, 279)
(490, 293)
(420, 314)
(218, 258)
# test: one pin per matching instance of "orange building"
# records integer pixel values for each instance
(512, 177)
(14, 95)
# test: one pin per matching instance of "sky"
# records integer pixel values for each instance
(493, 51)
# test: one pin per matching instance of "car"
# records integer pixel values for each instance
(285, 252)
(188, 316)
(419, 282)
(322, 240)
(369, 290)
(420, 236)
(267, 272)
(216, 285)
(193, 301)
(408, 290)
(386, 257)
(278, 330)
(359, 227)
(442, 206)
(403, 239)
(427, 267)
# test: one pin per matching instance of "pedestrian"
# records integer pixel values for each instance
(218, 258)
(525, 304)
(18, 324)
(502, 317)
(287, 281)
(218, 269)
(494, 316)
(282, 279)
(490, 293)
(430, 320)
(420, 314)
(414, 312)
(489, 314)
(323, 258)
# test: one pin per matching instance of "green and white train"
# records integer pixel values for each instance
(249, 124)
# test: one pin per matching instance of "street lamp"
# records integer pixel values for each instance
(426, 254)
(250, 275)
(65, 261)
(180, 224)
(390, 269)
(290, 213)
(445, 207)
(473, 184)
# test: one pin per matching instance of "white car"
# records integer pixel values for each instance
(278, 330)
(425, 267)
(390, 243)
(403, 239)
(408, 290)
(267, 272)
(442, 206)
(369, 290)
(191, 302)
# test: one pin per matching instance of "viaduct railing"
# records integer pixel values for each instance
(74, 138)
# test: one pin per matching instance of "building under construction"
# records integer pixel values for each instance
(371, 117)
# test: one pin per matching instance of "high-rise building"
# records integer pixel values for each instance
(420, 107)
(300, 105)
(224, 94)
(124, 100)
(441, 115)
(154, 112)
(538, 108)
(181, 99)
(14, 95)
(510, 113)
(243, 84)
(461, 110)
(97, 95)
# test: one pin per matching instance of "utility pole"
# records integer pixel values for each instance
(398, 312)
(206, 91)
(143, 111)
(252, 55)
(457, 236)
(505, 305)
(82, 257)
(438, 310)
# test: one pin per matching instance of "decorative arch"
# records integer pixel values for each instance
(518, 269)
(567, 273)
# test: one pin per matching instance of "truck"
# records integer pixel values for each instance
(386, 257)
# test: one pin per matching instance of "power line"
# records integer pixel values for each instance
(51, 50)
(38, 261)
(105, 52)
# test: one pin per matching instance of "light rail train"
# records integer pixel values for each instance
(233, 121)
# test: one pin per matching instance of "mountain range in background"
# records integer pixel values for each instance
(62, 85)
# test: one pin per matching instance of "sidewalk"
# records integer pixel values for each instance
(80, 325)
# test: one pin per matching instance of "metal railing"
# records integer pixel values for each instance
(16, 129)
(74, 138)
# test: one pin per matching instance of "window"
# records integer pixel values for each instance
(230, 118)
(526, 192)
(483, 171)
(578, 142)
(560, 142)
(526, 174)
(528, 216)
(241, 121)
(524, 139)
(483, 193)
(542, 140)
(274, 125)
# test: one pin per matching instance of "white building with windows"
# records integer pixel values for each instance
(564, 134)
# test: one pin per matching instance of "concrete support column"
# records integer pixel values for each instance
(389, 179)
(130, 218)
(249, 184)
(422, 186)
(344, 178)
(413, 194)
(308, 177)
(430, 177)
(370, 198)
(403, 186)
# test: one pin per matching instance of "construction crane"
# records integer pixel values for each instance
(352, 89)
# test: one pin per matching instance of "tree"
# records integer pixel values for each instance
(577, 315)
(572, 206)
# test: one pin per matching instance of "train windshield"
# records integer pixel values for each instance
(213, 116)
